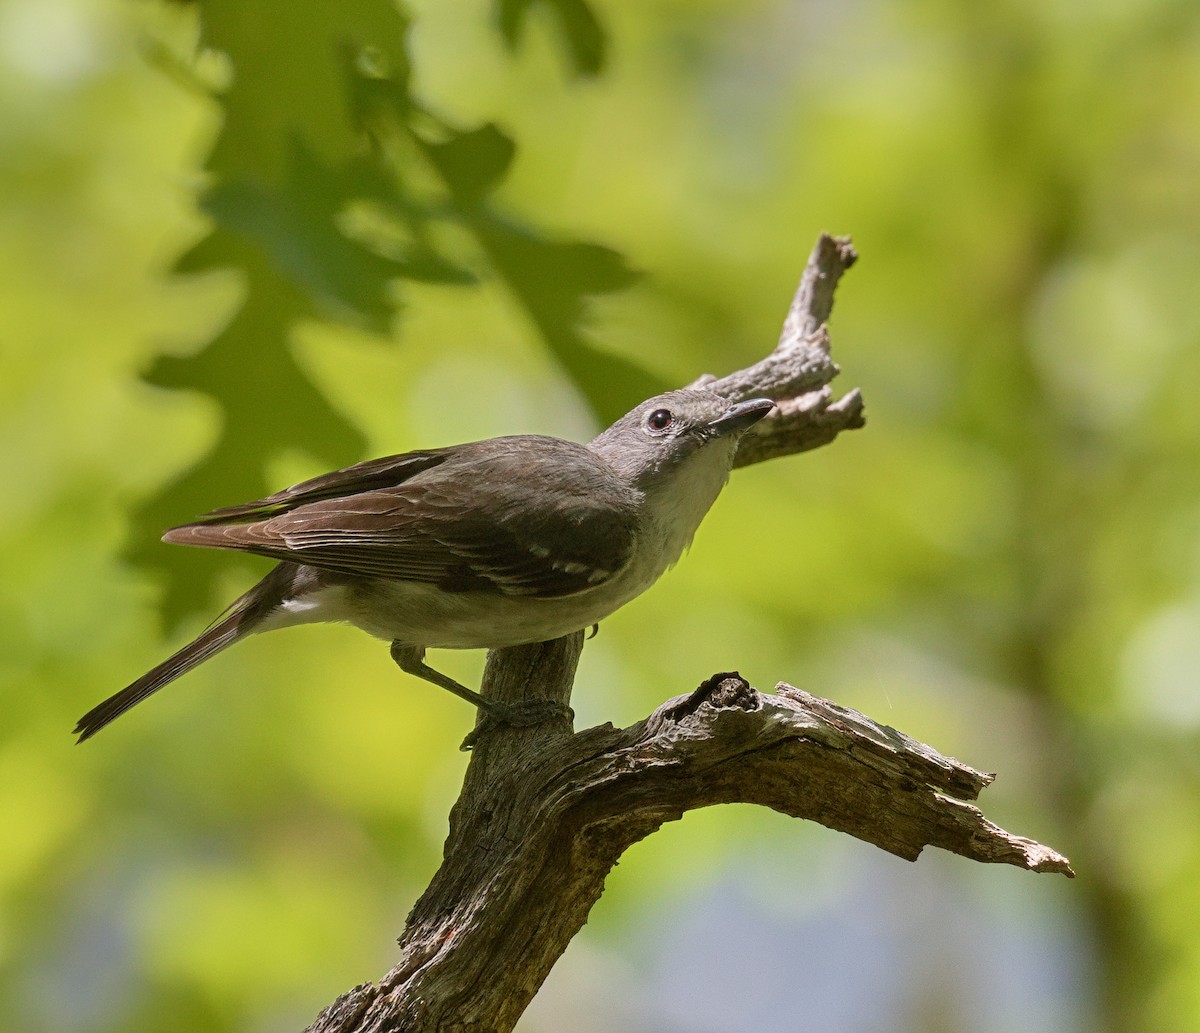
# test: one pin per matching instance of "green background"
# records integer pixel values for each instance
(243, 244)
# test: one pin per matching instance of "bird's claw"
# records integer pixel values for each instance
(517, 715)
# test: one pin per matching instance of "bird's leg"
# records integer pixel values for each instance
(411, 660)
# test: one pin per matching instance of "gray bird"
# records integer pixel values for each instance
(484, 545)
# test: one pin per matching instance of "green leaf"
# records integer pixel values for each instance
(472, 163)
(583, 38)
(294, 226)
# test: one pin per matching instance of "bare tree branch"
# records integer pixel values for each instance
(798, 371)
(546, 812)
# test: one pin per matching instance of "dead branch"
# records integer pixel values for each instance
(546, 812)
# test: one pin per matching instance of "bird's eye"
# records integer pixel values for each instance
(660, 420)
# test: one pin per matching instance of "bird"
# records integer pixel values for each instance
(493, 543)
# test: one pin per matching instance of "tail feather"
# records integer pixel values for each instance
(237, 622)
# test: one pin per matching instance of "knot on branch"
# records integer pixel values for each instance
(724, 690)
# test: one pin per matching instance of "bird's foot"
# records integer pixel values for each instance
(516, 715)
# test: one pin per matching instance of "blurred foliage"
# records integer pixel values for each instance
(331, 230)
(329, 186)
(583, 38)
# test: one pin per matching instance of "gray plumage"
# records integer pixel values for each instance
(489, 544)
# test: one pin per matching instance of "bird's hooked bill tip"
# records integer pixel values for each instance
(741, 415)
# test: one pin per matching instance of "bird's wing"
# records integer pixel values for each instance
(439, 528)
(367, 476)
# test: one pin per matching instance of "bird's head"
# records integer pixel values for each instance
(672, 431)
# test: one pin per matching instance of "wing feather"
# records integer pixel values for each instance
(366, 476)
(461, 519)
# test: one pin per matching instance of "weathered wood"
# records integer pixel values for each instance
(540, 826)
(797, 373)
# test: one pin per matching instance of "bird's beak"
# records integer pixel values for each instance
(739, 416)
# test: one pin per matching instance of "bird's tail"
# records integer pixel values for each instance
(238, 621)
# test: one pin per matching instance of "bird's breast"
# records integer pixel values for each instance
(674, 509)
